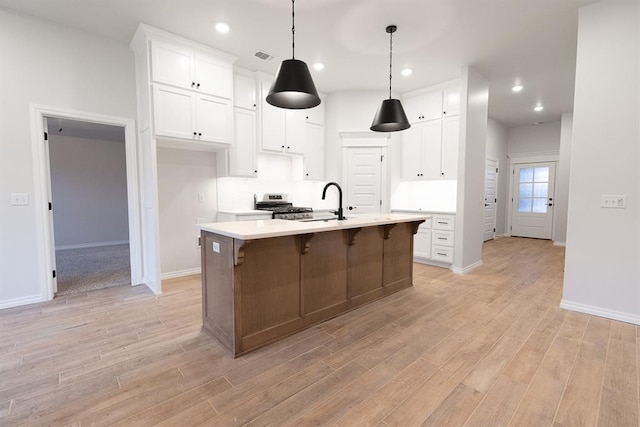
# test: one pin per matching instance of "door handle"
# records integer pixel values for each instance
(352, 207)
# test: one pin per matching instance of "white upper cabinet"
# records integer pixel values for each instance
(423, 106)
(430, 146)
(189, 68)
(272, 122)
(244, 92)
(313, 162)
(451, 100)
(243, 156)
(180, 113)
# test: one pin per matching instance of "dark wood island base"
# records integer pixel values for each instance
(258, 291)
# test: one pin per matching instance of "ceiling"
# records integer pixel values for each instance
(531, 41)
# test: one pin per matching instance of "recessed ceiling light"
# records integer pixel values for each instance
(406, 72)
(318, 66)
(538, 108)
(517, 88)
(222, 28)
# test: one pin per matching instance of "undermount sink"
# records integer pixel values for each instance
(317, 219)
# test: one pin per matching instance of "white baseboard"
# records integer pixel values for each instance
(563, 244)
(468, 268)
(16, 302)
(429, 261)
(180, 273)
(92, 245)
(597, 311)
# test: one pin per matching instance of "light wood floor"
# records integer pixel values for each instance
(490, 348)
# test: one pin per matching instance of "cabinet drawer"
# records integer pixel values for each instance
(443, 238)
(443, 222)
(442, 253)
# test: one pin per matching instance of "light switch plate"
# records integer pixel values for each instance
(19, 199)
(613, 201)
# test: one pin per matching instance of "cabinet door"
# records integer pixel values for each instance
(295, 134)
(212, 76)
(272, 122)
(451, 101)
(422, 243)
(432, 105)
(244, 92)
(431, 149)
(171, 65)
(213, 119)
(450, 141)
(413, 108)
(314, 153)
(315, 115)
(412, 153)
(173, 112)
(242, 155)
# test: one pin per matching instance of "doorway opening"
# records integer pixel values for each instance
(77, 205)
(87, 165)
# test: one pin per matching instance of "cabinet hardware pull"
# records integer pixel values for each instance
(198, 85)
(199, 134)
(193, 84)
(194, 134)
(443, 222)
(442, 238)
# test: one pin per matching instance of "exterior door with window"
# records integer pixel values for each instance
(532, 208)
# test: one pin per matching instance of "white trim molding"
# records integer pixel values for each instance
(16, 302)
(597, 311)
(536, 157)
(91, 245)
(42, 191)
(563, 244)
(180, 273)
(467, 269)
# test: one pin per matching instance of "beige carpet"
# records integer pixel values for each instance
(87, 269)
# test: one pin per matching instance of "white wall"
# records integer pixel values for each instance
(603, 245)
(276, 174)
(186, 192)
(534, 138)
(561, 200)
(469, 232)
(497, 142)
(55, 66)
(89, 187)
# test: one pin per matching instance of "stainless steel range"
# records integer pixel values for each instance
(282, 208)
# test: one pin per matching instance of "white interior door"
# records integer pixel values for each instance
(532, 202)
(364, 180)
(490, 198)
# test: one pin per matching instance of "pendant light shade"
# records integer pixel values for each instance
(293, 87)
(390, 116)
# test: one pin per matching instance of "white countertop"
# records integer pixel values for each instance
(261, 229)
(246, 212)
(423, 211)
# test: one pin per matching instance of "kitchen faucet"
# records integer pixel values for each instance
(324, 193)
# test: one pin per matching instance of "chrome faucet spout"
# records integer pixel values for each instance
(324, 193)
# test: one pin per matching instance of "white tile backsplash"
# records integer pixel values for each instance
(435, 196)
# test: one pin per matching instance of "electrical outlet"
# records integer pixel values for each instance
(613, 201)
(200, 220)
(216, 247)
(200, 198)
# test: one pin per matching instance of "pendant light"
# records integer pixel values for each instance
(390, 116)
(293, 87)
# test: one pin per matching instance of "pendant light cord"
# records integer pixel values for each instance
(390, 60)
(293, 29)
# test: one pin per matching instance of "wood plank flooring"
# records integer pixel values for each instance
(491, 348)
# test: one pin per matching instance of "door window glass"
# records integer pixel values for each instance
(533, 189)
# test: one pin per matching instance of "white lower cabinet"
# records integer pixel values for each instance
(434, 241)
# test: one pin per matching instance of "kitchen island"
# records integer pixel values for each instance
(266, 279)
